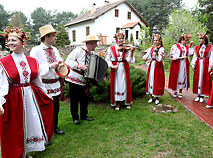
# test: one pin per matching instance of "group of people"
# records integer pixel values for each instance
(29, 122)
(202, 63)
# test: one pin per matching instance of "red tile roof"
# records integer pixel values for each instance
(131, 25)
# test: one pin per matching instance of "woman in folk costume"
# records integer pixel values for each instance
(155, 81)
(202, 81)
(22, 101)
(179, 70)
(210, 100)
(120, 83)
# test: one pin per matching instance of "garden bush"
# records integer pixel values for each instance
(101, 93)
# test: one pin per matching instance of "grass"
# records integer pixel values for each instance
(138, 132)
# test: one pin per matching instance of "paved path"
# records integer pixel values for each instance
(197, 108)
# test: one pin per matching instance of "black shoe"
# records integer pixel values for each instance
(58, 131)
(76, 122)
(47, 144)
(88, 119)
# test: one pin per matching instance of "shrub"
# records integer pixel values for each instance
(101, 93)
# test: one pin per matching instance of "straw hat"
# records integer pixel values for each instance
(44, 30)
(90, 38)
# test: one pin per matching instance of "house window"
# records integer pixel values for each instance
(74, 36)
(137, 33)
(117, 29)
(87, 30)
(129, 15)
(116, 12)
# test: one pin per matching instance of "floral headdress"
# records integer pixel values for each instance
(11, 31)
(119, 35)
(186, 36)
(158, 36)
(202, 35)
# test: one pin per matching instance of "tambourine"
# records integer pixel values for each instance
(63, 69)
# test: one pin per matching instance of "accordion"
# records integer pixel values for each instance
(97, 68)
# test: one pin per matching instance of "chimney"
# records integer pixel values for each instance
(106, 2)
(93, 9)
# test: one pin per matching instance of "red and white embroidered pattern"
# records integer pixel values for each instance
(51, 57)
(34, 139)
(76, 80)
(24, 67)
(118, 93)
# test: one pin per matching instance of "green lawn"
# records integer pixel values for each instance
(138, 132)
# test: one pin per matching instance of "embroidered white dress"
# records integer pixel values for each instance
(33, 124)
(154, 58)
(175, 54)
(120, 76)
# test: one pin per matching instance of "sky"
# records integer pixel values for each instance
(75, 6)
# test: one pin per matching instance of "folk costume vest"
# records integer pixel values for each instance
(112, 78)
(159, 77)
(174, 70)
(206, 78)
(12, 122)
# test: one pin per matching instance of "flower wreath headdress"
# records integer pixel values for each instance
(186, 36)
(202, 35)
(11, 31)
(119, 35)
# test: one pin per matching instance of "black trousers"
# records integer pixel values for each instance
(56, 100)
(78, 93)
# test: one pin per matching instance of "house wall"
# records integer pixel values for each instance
(106, 25)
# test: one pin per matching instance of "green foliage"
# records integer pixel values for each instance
(4, 18)
(181, 21)
(145, 38)
(16, 20)
(62, 37)
(156, 12)
(101, 93)
(48, 17)
(131, 39)
(138, 81)
(206, 8)
(83, 11)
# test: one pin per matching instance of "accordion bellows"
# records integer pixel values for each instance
(97, 68)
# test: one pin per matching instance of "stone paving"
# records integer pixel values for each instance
(196, 108)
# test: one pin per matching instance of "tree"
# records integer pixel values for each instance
(206, 10)
(156, 12)
(64, 17)
(181, 21)
(24, 19)
(4, 16)
(16, 21)
(83, 11)
(62, 37)
(145, 38)
(40, 17)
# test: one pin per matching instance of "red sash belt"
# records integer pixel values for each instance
(21, 84)
(119, 61)
(49, 81)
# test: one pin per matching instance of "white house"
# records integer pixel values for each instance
(105, 21)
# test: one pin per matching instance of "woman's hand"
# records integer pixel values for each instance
(1, 110)
(114, 67)
(193, 69)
